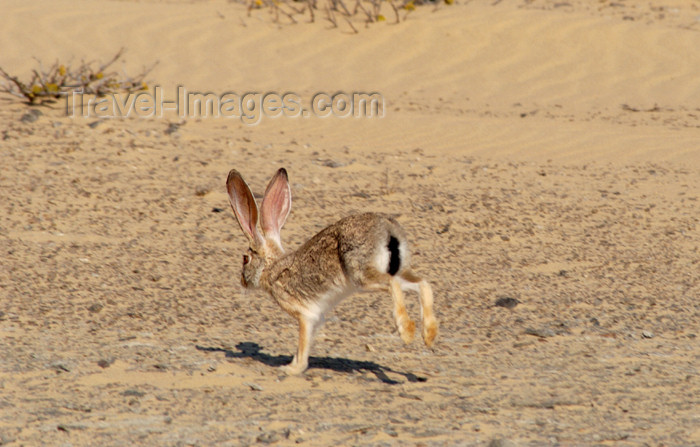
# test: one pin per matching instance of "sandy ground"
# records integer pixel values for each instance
(541, 151)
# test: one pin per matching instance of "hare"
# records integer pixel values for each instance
(359, 252)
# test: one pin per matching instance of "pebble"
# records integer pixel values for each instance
(95, 307)
(507, 302)
(253, 386)
(31, 116)
(268, 438)
(172, 128)
(501, 442)
(647, 334)
(201, 191)
(391, 432)
(133, 393)
(333, 164)
(105, 363)
(60, 367)
(540, 332)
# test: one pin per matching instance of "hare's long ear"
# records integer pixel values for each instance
(276, 206)
(244, 207)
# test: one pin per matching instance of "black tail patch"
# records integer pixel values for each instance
(395, 256)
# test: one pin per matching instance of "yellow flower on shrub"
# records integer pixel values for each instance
(62, 70)
(409, 6)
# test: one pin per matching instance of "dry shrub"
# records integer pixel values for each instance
(60, 80)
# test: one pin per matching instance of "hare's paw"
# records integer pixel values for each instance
(407, 329)
(430, 331)
(293, 369)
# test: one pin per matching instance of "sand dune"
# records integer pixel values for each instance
(441, 73)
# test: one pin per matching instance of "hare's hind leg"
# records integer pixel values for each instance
(404, 324)
(425, 292)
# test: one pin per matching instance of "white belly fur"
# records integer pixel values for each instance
(327, 302)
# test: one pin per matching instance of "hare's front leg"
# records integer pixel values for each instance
(307, 328)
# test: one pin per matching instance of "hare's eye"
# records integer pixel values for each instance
(246, 259)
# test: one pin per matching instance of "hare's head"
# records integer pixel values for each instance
(266, 246)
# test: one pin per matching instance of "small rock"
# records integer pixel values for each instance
(501, 442)
(444, 229)
(133, 393)
(172, 128)
(253, 386)
(105, 363)
(391, 432)
(201, 191)
(410, 396)
(31, 116)
(68, 427)
(540, 332)
(94, 124)
(78, 407)
(647, 334)
(507, 302)
(95, 307)
(268, 438)
(60, 367)
(333, 164)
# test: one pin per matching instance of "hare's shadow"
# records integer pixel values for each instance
(254, 351)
